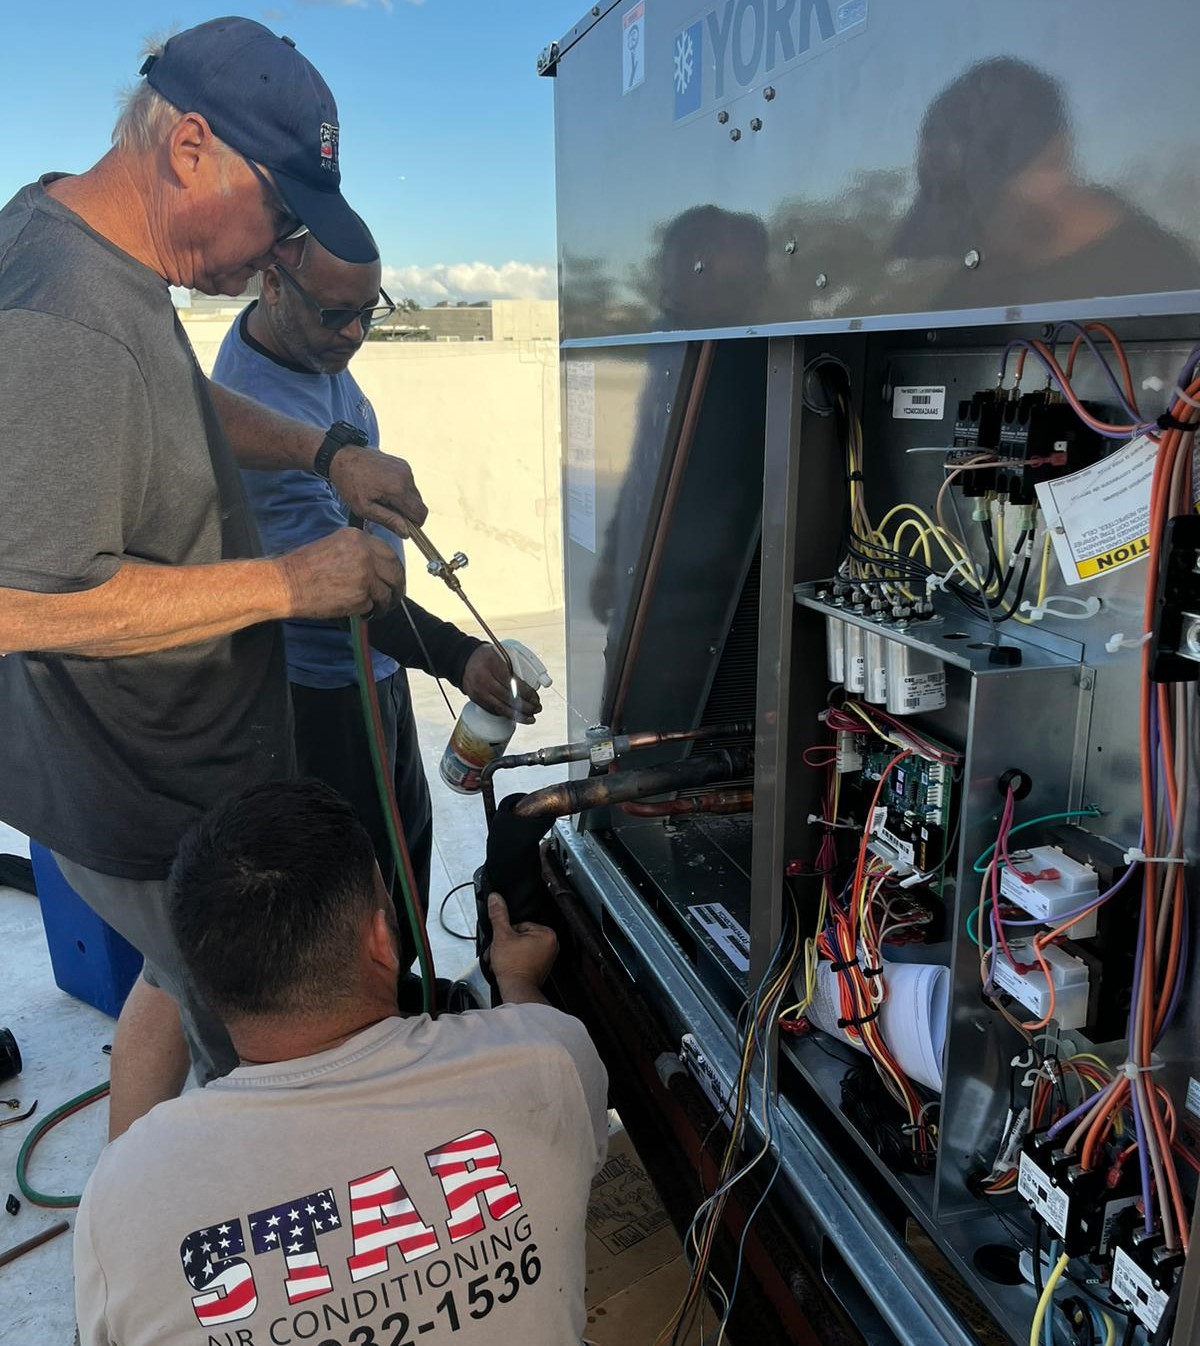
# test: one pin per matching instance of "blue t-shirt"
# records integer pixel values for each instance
(295, 507)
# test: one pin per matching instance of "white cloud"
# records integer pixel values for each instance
(356, 4)
(471, 281)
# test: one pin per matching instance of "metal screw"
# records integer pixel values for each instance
(1191, 637)
(735, 134)
(972, 259)
(668, 408)
(712, 649)
(931, 337)
(1085, 682)
(1196, 565)
(756, 123)
(790, 246)
(630, 571)
(1047, 330)
(722, 116)
(769, 92)
(822, 280)
(595, 11)
(698, 267)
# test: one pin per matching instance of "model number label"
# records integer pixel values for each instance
(1050, 1202)
(925, 403)
(1130, 1283)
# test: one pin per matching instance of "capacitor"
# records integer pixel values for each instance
(876, 658)
(854, 656)
(834, 649)
(916, 680)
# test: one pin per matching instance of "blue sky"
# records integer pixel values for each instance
(447, 134)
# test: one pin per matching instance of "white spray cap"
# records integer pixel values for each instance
(527, 666)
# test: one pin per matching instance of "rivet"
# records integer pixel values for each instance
(822, 280)
(972, 259)
(756, 123)
(722, 116)
(790, 246)
(769, 92)
(735, 134)
(698, 267)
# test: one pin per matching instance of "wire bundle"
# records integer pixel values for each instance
(763, 1009)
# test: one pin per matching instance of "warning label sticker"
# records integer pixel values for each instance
(719, 924)
(1099, 517)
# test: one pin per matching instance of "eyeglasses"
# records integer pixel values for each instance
(336, 318)
(292, 229)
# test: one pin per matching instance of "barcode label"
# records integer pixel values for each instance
(918, 404)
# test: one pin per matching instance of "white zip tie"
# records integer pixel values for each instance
(1136, 856)
(1120, 642)
(1083, 608)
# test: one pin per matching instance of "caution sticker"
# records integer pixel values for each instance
(1099, 517)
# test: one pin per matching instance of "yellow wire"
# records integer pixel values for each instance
(1039, 1317)
(1110, 1329)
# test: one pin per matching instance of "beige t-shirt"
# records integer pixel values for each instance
(425, 1182)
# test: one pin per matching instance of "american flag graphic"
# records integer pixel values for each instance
(382, 1216)
(212, 1263)
(469, 1168)
(293, 1229)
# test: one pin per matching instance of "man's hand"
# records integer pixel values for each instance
(347, 572)
(521, 955)
(486, 680)
(379, 488)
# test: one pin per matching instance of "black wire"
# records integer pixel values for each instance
(1038, 1283)
(458, 934)
(1131, 1327)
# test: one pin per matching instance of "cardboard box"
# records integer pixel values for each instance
(636, 1273)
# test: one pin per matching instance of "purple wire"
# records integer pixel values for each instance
(1020, 343)
(1090, 906)
(1138, 1124)
(1089, 341)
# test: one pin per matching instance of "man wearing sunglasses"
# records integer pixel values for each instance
(144, 676)
(289, 351)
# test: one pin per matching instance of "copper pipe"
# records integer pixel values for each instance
(574, 796)
(719, 801)
(581, 750)
(679, 462)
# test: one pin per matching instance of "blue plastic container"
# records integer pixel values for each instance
(90, 960)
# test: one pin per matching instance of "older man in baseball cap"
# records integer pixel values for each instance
(144, 677)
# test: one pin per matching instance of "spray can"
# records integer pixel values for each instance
(479, 736)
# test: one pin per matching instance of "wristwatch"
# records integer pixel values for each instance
(339, 434)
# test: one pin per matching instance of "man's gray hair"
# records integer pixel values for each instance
(145, 117)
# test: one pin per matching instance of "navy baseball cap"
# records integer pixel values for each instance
(267, 102)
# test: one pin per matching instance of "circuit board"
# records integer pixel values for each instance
(912, 821)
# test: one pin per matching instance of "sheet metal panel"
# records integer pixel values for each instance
(897, 144)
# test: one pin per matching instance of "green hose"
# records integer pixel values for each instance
(31, 1141)
(387, 802)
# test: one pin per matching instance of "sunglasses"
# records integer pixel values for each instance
(292, 229)
(336, 318)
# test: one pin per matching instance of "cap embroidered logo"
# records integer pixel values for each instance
(329, 147)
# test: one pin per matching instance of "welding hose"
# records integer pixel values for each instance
(386, 787)
(34, 1138)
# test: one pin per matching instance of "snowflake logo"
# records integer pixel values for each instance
(685, 61)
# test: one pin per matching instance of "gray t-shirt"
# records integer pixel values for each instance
(114, 453)
(427, 1181)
